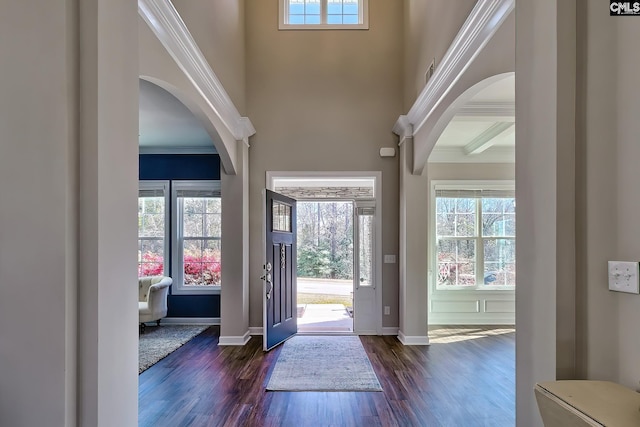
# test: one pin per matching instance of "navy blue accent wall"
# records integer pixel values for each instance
(180, 167)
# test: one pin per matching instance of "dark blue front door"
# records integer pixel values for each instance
(280, 308)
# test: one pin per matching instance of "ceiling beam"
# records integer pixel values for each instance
(487, 138)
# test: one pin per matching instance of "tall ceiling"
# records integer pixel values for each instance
(167, 125)
(483, 131)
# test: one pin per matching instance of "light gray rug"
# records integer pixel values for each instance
(323, 363)
(158, 342)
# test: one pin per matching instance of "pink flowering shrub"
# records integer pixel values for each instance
(150, 265)
(202, 269)
(199, 269)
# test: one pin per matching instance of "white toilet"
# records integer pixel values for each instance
(581, 403)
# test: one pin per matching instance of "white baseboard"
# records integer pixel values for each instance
(471, 319)
(256, 330)
(237, 340)
(190, 321)
(413, 340)
(390, 331)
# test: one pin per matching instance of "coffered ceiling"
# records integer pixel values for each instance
(483, 131)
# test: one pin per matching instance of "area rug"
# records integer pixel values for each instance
(323, 363)
(157, 342)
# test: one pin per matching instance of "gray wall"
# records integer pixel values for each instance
(430, 27)
(324, 100)
(218, 29)
(608, 200)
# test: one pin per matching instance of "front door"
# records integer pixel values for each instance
(279, 278)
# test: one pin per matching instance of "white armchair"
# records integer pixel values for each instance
(152, 298)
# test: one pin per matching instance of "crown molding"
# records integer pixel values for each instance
(503, 111)
(170, 29)
(482, 23)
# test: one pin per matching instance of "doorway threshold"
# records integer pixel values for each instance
(324, 318)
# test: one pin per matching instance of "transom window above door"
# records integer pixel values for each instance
(323, 14)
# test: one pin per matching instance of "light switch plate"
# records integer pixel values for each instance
(389, 259)
(623, 277)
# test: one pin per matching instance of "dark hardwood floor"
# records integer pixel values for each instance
(466, 377)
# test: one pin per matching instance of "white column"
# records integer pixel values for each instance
(108, 181)
(545, 193)
(38, 213)
(234, 297)
(414, 219)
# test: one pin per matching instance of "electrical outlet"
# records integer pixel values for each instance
(623, 277)
(387, 310)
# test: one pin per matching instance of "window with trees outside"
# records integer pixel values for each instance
(196, 244)
(153, 202)
(475, 242)
(323, 14)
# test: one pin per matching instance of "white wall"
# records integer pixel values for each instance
(61, 367)
(545, 130)
(37, 215)
(107, 228)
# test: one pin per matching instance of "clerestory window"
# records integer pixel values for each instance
(323, 14)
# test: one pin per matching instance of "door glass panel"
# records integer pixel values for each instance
(365, 230)
(281, 217)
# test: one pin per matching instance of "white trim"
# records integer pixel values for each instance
(177, 272)
(386, 330)
(177, 150)
(503, 111)
(170, 29)
(412, 340)
(190, 320)
(363, 18)
(457, 155)
(403, 129)
(270, 176)
(472, 319)
(235, 340)
(482, 23)
(255, 330)
(160, 184)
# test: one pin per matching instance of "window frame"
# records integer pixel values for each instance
(505, 185)
(363, 18)
(164, 186)
(178, 287)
